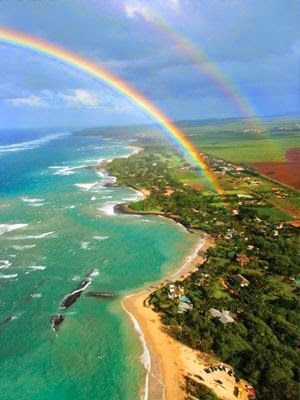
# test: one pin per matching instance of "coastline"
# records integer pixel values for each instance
(165, 369)
(164, 378)
(167, 360)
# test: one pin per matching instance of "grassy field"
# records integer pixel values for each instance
(233, 142)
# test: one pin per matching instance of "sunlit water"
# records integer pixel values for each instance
(56, 225)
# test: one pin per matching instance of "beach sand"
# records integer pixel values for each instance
(170, 360)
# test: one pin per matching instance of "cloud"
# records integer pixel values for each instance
(81, 98)
(136, 8)
(29, 101)
(72, 98)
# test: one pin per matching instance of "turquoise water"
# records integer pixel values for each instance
(56, 225)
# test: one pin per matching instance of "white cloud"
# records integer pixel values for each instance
(81, 98)
(135, 8)
(29, 101)
(73, 98)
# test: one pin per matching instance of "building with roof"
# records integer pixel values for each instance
(225, 316)
(241, 280)
(184, 307)
(175, 291)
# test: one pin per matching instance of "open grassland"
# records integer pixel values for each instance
(236, 143)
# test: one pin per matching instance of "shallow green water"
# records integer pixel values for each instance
(70, 231)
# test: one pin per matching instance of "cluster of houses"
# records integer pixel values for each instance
(185, 303)
(221, 167)
(177, 292)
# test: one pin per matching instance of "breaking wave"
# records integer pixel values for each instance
(4, 264)
(4, 228)
(145, 358)
(8, 276)
(25, 237)
(31, 144)
(65, 170)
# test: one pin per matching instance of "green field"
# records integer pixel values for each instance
(269, 211)
(232, 142)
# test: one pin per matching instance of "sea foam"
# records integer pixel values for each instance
(25, 237)
(4, 264)
(145, 358)
(31, 144)
(86, 186)
(66, 170)
(109, 208)
(8, 276)
(37, 267)
(24, 247)
(85, 245)
(36, 295)
(4, 228)
(31, 200)
(98, 237)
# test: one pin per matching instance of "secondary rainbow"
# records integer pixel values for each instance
(200, 61)
(81, 63)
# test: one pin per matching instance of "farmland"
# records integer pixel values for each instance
(235, 142)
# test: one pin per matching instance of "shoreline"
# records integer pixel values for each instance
(160, 378)
(167, 361)
(170, 361)
(164, 371)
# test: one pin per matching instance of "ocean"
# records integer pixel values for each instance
(57, 224)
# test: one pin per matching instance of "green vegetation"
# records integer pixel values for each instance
(262, 343)
(247, 223)
(238, 141)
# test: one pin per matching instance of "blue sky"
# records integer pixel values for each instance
(254, 43)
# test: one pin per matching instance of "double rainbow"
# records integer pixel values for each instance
(67, 57)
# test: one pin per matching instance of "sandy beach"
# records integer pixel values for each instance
(169, 360)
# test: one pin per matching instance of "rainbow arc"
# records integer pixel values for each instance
(54, 51)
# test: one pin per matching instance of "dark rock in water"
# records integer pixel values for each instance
(56, 320)
(104, 295)
(110, 185)
(6, 319)
(72, 297)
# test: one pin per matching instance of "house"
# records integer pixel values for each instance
(175, 291)
(184, 307)
(185, 304)
(215, 313)
(225, 317)
(241, 280)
